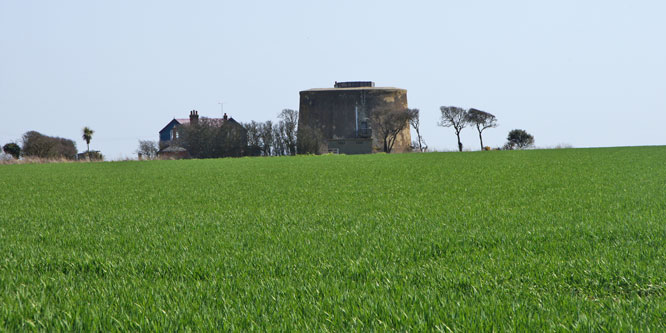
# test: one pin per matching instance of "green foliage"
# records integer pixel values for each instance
(519, 139)
(12, 149)
(539, 240)
(87, 135)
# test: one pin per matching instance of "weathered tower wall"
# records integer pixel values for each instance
(344, 114)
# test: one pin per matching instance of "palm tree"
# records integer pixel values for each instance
(87, 135)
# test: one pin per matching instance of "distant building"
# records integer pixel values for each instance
(170, 132)
(94, 155)
(173, 152)
(342, 115)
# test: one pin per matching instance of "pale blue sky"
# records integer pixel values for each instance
(586, 73)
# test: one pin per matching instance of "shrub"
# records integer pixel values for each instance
(519, 139)
(12, 149)
(36, 144)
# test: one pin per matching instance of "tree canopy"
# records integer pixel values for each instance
(40, 145)
(520, 139)
(415, 122)
(388, 123)
(481, 120)
(12, 149)
(456, 117)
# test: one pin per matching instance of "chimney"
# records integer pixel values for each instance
(194, 117)
(225, 117)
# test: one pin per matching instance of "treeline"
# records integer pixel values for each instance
(458, 118)
(273, 139)
(283, 137)
(38, 145)
(35, 144)
(207, 138)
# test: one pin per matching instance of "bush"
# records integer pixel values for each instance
(12, 149)
(519, 139)
(36, 144)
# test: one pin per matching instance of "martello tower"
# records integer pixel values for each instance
(342, 114)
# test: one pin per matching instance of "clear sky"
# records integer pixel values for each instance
(585, 73)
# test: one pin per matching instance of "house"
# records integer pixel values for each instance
(169, 133)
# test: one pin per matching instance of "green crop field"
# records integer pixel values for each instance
(538, 240)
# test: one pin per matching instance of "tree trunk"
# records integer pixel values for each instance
(88, 144)
(481, 139)
(460, 145)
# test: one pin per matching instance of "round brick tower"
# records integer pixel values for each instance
(342, 115)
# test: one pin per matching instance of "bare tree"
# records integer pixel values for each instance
(253, 138)
(415, 122)
(289, 123)
(279, 141)
(456, 117)
(481, 120)
(147, 149)
(388, 123)
(266, 134)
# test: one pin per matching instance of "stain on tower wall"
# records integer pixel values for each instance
(338, 112)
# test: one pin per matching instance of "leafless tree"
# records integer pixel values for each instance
(289, 124)
(253, 138)
(481, 120)
(266, 134)
(388, 123)
(147, 149)
(279, 141)
(456, 117)
(415, 122)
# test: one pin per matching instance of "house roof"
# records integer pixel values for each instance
(173, 149)
(185, 121)
(169, 124)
